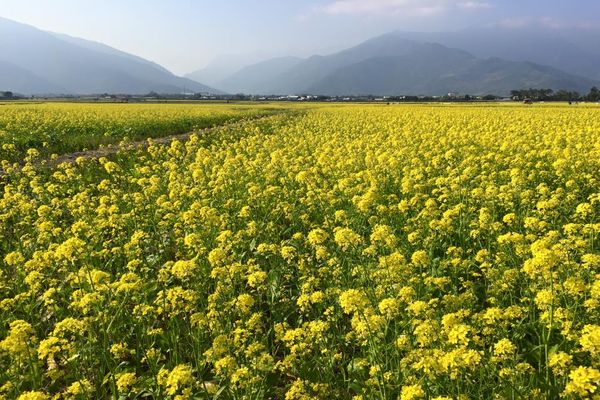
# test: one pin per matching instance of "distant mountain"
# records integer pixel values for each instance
(254, 78)
(23, 81)
(48, 63)
(102, 48)
(224, 66)
(305, 74)
(434, 70)
(553, 47)
(393, 65)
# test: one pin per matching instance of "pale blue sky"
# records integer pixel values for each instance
(183, 35)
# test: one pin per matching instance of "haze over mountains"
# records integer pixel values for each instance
(567, 50)
(33, 61)
(484, 61)
(223, 66)
(474, 61)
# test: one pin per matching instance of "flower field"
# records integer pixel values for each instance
(61, 128)
(341, 252)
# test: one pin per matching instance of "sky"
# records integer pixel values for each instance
(185, 35)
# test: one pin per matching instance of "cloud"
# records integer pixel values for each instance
(403, 7)
(544, 22)
(474, 5)
(516, 22)
(524, 22)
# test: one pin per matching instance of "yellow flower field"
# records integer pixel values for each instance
(60, 128)
(342, 252)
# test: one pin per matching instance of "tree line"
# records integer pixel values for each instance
(551, 95)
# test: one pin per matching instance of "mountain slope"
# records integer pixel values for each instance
(437, 70)
(394, 65)
(300, 77)
(20, 80)
(102, 48)
(254, 78)
(540, 45)
(224, 66)
(77, 66)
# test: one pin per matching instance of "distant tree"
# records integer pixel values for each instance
(517, 94)
(533, 94)
(545, 94)
(489, 97)
(593, 95)
(564, 95)
(7, 94)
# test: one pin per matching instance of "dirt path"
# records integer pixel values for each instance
(139, 144)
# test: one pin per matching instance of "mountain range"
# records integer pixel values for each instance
(225, 65)
(491, 60)
(426, 64)
(33, 61)
(567, 50)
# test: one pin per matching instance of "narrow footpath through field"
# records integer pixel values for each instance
(114, 148)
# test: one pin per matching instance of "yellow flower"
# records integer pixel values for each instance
(560, 362)
(184, 269)
(412, 392)
(128, 282)
(257, 278)
(225, 365)
(69, 325)
(353, 300)
(583, 381)
(20, 339)
(504, 348)
(389, 307)
(111, 167)
(50, 346)
(590, 339)
(176, 380)
(33, 395)
(14, 258)
(346, 238)
(288, 252)
(244, 302)
(125, 381)
(217, 257)
(420, 258)
(384, 235)
(317, 237)
(459, 334)
(120, 350)
(79, 388)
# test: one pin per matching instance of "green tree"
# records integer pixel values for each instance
(594, 94)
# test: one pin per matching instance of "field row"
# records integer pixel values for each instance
(57, 128)
(348, 252)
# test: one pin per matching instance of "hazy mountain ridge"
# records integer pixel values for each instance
(392, 64)
(102, 48)
(13, 76)
(436, 70)
(534, 44)
(78, 66)
(253, 78)
(224, 66)
(475, 61)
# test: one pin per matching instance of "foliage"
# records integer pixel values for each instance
(360, 252)
(62, 128)
(551, 95)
